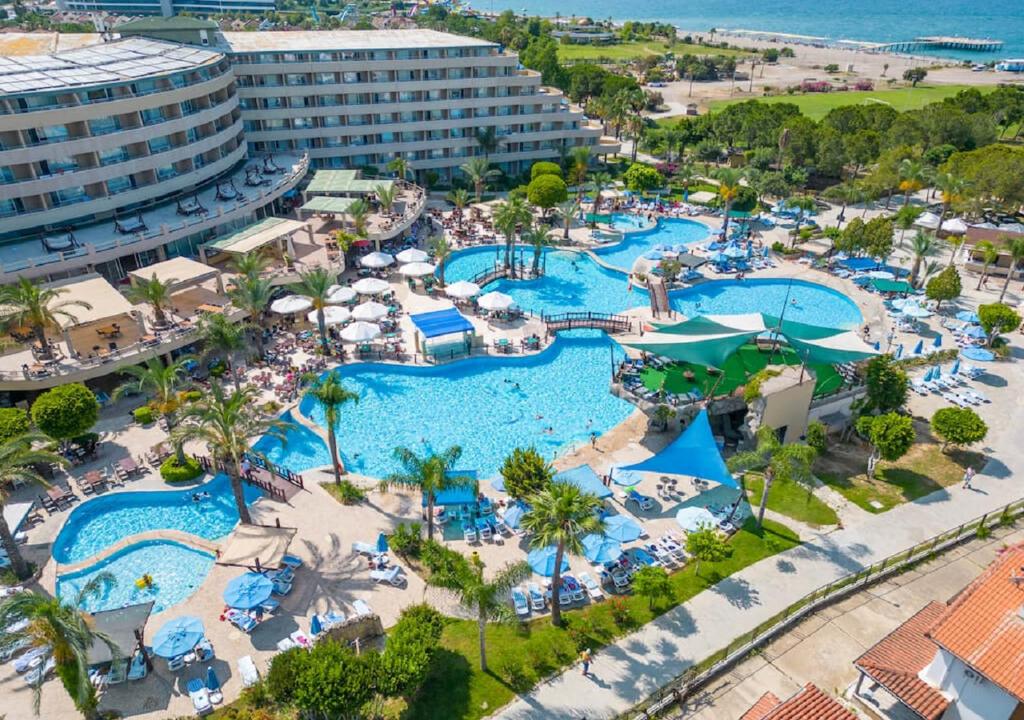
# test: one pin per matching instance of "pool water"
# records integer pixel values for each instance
(489, 406)
(628, 222)
(668, 231)
(103, 521)
(177, 573)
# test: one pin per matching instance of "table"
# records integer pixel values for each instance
(207, 308)
(109, 331)
(94, 479)
(57, 494)
(128, 465)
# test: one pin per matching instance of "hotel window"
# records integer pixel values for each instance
(409, 137)
(333, 142)
(143, 87)
(359, 120)
(435, 95)
(383, 98)
(188, 107)
(404, 76)
(295, 79)
(166, 172)
(330, 100)
(118, 185)
(275, 124)
(98, 95)
(58, 166)
(331, 121)
(289, 57)
(437, 153)
(456, 73)
(407, 117)
(455, 132)
(383, 119)
(37, 102)
(192, 135)
(6, 174)
(406, 96)
(159, 145)
(387, 137)
(457, 113)
(380, 76)
(436, 135)
(69, 196)
(53, 133)
(326, 57)
(380, 55)
(435, 115)
(431, 74)
(350, 77)
(247, 103)
(152, 116)
(11, 207)
(403, 55)
(272, 103)
(326, 78)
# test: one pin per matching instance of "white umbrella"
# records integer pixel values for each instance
(338, 294)
(495, 301)
(370, 286)
(376, 260)
(333, 315)
(411, 255)
(291, 304)
(417, 269)
(956, 226)
(369, 311)
(462, 289)
(694, 518)
(882, 275)
(360, 332)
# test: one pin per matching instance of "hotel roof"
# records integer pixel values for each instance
(333, 40)
(121, 61)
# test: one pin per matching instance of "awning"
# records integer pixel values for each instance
(326, 204)
(441, 322)
(693, 453)
(463, 495)
(841, 348)
(104, 299)
(891, 286)
(120, 626)
(263, 233)
(326, 182)
(181, 271)
(252, 545)
(585, 479)
(705, 350)
(15, 514)
(689, 260)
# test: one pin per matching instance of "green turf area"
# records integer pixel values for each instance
(520, 656)
(818, 105)
(790, 499)
(737, 370)
(635, 50)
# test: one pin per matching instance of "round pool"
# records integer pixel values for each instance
(669, 231)
(177, 572)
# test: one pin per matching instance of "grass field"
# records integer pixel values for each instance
(790, 499)
(818, 105)
(634, 50)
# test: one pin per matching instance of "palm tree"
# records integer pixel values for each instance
(359, 213)
(600, 180)
(252, 294)
(673, 136)
(989, 254)
(488, 141)
(913, 175)
(922, 246)
(804, 204)
(222, 337)
(40, 309)
(479, 171)
(250, 265)
(905, 218)
(386, 196)
(728, 190)
(154, 292)
(561, 515)
(160, 382)
(400, 167)
(636, 126)
(1015, 248)
(784, 462)
(686, 173)
(849, 194)
(537, 237)
(951, 188)
(225, 423)
(578, 162)
(17, 464)
(442, 251)
(432, 474)
(487, 598)
(316, 284)
(68, 632)
(331, 394)
(508, 216)
(567, 211)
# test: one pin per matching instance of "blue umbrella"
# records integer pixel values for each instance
(916, 311)
(955, 368)
(733, 251)
(928, 374)
(937, 342)
(654, 255)
(662, 247)
(212, 683)
(498, 483)
(974, 331)
(178, 636)
(247, 591)
(899, 351)
(542, 560)
(693, 518)
(878, 345)
(967, 316)
(315, 626)
(514, 514)
(719, 258)
(382, 543)
(621, 528)
(919, 347)
(600, 549)
(979, 354)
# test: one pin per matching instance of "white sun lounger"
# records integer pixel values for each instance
(200, 697)
(391, 576)
(361, 608)
(519, 602)
(593, 589)
(247, 671)
(537, 601)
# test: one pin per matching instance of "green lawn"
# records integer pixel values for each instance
(817, 105)
(520, 656)
(792, 500)
(737, 370)
(634, 50)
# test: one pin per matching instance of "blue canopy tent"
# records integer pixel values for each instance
(441, 322)
(585, 479)
(693, 453)
(462, 495)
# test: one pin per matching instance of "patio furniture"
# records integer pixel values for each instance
(537, 600)
(519, 602)
(191, 207)
(392, 576)
(361, 608)
(592, 587)
(200, 697)
(60, 243)
(131, 225)
(247, 671)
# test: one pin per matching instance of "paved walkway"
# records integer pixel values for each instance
(626, 673)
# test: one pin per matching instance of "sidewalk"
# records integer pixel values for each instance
(626, 673)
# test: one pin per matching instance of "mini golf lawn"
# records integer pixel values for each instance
(738, 369)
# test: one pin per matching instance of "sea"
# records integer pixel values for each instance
(830, 20)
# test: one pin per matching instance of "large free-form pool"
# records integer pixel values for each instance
(669, 231)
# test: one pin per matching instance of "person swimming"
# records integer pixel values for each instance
(200, 496)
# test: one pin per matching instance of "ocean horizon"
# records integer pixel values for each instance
(832, 20)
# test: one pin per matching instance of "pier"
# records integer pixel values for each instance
(938, 42)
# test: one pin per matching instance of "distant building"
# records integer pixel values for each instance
(808, 703)
(958, 661)
(998, 235)
(167, 8)
(178, 29)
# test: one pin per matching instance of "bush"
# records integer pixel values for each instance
(285, 669)
(410, 650)
(958, 426)
(817, 436)
(171, 472)
(66, 411)
(545, 168)
(191, 395)
(13, 423)
(144, 415)
(546, 191)
(407, 539)
(345, 492)
(642, 177)
(622, 616)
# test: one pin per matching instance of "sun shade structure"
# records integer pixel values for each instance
(417, 269)
(104, 298)
(693, 453)
(891, 286)
(121, 626)
(341, 182)
(411, 255)
(376, 260)
(462, 289)
(542, 560)
(369, 311)
(180, 272)
(495, 301)
(694, 518)
(360, 331)
(256, 546)
(600, 549)
(441, 322)
(291, 304)
(622, 528)
(333, 315)
(584, 477)
(370, 286)
(339, 294)
(178, 636)
(248, 591)
(266, 232)
(327, 204)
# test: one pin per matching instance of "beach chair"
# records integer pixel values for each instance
(281, 587)
(175, 664)
(137, 670)
(36, 675)
(519, 602)
(33, 656)
(537, 600)
(292, 561)
(240, 620)
(485, 531)
(270, 606)
(570, 584)
(361, 608)
(247, 671)
(643, 501)
(392, 576)
(955, 399)
(919, 386)
(592, 587)
(975, 397)
(620, 580)
(663, 556)
(361, 548)
(118, 672)
(200, 697)
(469, 533)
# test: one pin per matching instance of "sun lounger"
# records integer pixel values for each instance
(282, 575)
(292, 561)
(14, 648)
(643, 501)
(31, 658)
(282, 588)
(392, 576)
(520, 603)
(247, 671)
(591, 585)
(469, 533)
(954, 398)
(137, 670)
(620, 580)
(361, 608)
(361, 548)
(975, 397)
(570, 585)
(240, 620)
(537, 600)
(286, 644)
(175, 664)
(118, 672)
(919, 386)
(331, 619)
(200, 697)
(36, 675)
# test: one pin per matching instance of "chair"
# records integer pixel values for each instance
(361, 548)
(593, 589)
(282, 588)
(178, 663)
(392, 576)
(118, 672)
(270, 606)
(292, 561)
(537, 601)
(25, 662)
(469, 533)
(643, 501)
(485, 531)
(574, 588)
(519, 602)
(137, 670)
(200, 697)
(361, 608)
(247, 671)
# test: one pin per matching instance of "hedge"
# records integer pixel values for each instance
(143, 415)
(171, 472)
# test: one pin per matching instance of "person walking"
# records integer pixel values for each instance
(586, 658)
(246, 468)
(968, 477)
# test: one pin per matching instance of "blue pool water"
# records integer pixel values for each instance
(668, 231)
(487, 405)
(102, 521)
(177, 572)
(629, 222)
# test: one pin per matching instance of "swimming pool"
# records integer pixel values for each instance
(668, 231)
(177, 572)
(489, 406)
(102, 521)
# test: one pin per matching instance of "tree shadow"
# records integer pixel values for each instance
(740, 593)
(445, 690)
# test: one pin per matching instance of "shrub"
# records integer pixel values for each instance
(171, 472)
(526, 472)
(410, 650)
(642, 177)
(519, 676)
(945, 285)
(66, 411)
(407, 539)
(546, 191)
(652, 583)
(958, 426)
(345, 492)
(817, 436)
(622, 616)
(996, 318)
(144, 415)
(285, 669)
(13, 422)
(887, 384)
(545, 168)
(191, 395)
